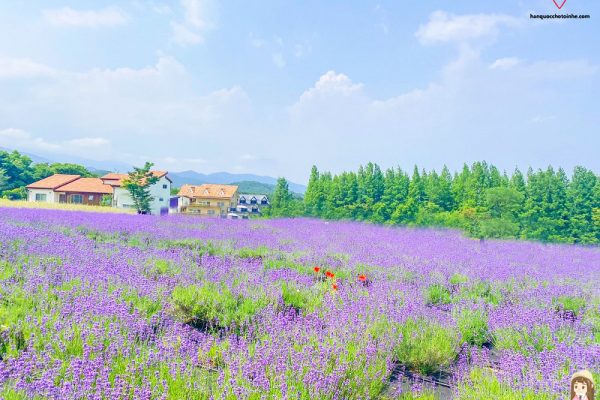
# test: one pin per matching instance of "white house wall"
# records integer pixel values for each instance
(51, 196)
(122, 199)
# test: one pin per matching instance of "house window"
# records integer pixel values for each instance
(40, 197)
(263, 201)
(77, 199)
(161, 199)
(242, 201)
(165, 186)
(211, 212)
(220, 204)
(91, 197)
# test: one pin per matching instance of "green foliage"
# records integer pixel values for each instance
(483, 384)
(472, 325)
(302, 299)
(437, 294)
(531, 340)
(570, 304)
(258, 252)
(478, 200)
(138, 184)
(458, 279)
(481, 291)
(425, 346)
(211, 306)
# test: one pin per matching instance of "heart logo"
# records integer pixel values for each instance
(559, 5)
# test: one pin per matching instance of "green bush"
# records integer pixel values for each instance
(249, 252)
(425, 346)
(570, 303)
(302, 299)
(481, 291)
(211, 306)
(472, 325)
(531, 340)
(437, 294)
(483, 384)
(458, 279)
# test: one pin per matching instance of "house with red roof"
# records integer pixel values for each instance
(74, 189)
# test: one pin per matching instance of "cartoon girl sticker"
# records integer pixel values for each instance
(582, 386)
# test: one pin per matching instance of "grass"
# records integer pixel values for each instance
(483, 384)
(426, 346)
(571, 304)
(302, 299)
(212, 307)
(64, 206)
(472, 325)
(531, 340)
(481, 291)
(437, 294)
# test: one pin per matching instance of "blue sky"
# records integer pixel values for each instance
(272, 87)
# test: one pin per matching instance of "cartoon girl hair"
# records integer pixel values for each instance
(583, 376)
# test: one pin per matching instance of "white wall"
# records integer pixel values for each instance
(122, 199)
(51, 197)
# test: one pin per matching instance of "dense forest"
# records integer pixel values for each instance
(542, 205)
(18, 171)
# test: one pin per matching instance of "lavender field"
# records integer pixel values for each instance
(98, 306)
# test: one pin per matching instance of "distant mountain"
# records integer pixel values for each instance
(196, 178)
(35, 158)
(251, 187)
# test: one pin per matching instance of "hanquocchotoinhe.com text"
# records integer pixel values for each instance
(559, 16)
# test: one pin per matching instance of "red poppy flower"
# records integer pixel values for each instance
(329, 274)
(317, 269)
(362, 278)
(334, 286)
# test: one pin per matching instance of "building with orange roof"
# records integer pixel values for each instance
(108, 190)
(43, 190)
(208, 199)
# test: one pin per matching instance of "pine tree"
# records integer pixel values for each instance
(580, 200)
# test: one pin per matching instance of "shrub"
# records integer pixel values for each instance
(481, 291)
(570, 304)
(437, 294)
(426, 346)
(248, 252)
(302, 299)
(156, 268)
(458, 279)
(531, 340)
(472, 325)
(483, 384)
(212, 307)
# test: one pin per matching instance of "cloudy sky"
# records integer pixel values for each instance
(272, 87)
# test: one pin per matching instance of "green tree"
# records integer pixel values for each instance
(3, 180)
(582, 199)
(138, 184)
(281, 204)
(314, 198)
(70, 169)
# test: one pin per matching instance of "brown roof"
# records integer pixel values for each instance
(208, 190)
(54, 181)
(86, 185)
(115, 179)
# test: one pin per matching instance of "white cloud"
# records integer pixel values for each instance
(505, 63)
(331, 83)
(302, 49)
(20, 139)
(68, 17)
(147, 109)
(199, 17)
(278, 60)
(11, 68)
(444, 27)
(183, 36)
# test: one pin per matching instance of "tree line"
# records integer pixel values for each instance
(17, 171)
(543, 205)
